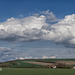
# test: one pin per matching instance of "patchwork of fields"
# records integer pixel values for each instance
(36, 63)
(37, 67)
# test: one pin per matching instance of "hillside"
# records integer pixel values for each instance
(38, 63)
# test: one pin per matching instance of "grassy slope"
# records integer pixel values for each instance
(23, 64)
(20, 64)
(20, 71)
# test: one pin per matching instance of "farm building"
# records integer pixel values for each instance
(52, 66)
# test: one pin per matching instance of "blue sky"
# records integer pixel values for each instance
(14, 8)
(33, 41)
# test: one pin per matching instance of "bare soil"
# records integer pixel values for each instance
(38, 63)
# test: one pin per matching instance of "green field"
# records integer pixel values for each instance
(23, 65)
(33, 71)
(20, 64)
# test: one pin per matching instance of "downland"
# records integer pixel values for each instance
(39, 63)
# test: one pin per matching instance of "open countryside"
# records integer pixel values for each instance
(38, 67)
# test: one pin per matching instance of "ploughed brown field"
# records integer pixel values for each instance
(38, 63)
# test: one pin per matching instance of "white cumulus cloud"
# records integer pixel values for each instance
(63, 31)
(39, 28)
(25, 29)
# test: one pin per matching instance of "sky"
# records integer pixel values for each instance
(37, 29)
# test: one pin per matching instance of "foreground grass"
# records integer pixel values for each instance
(35, 71)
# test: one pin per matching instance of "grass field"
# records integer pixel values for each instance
(33, 71)
(23, 65)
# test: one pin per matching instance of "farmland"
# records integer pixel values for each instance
(19, 64)
(32, 71)
(37, 67)
(38, 63)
